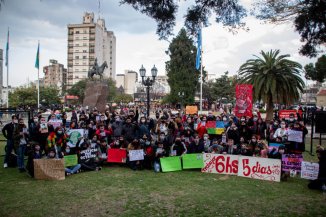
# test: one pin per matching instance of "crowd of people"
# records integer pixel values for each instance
(166, 134)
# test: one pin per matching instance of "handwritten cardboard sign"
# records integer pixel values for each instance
(222, 164)
(292, 162)
(191, 110)
(135, 155)
(309, 170)
(260, 168)
(295, 136)
(49, 169)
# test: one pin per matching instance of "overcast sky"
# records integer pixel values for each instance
(137, 43)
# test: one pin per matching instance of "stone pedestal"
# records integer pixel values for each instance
(96, 94)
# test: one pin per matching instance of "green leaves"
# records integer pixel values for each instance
(275, 78)
(317, 72)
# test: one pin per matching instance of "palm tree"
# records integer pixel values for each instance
(275, 79)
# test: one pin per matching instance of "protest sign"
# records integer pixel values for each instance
(309, 170)
(295, 136)
(260, 168)
(49, 169)
(70, 160)
(243, 94)
(55, 123)
(73, 136)
(191, 110)
(292, 162)
(88, 153)
(44, 128)
(285, 114)
(274, 146)
(116, 155)
(170, 164)
(135, 155)
(222, 164)
(192, 161)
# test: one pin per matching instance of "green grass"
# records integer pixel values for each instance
(118, 191)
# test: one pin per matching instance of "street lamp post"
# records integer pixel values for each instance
(148, 82)
(181, 95)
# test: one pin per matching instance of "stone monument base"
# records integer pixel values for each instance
(96, 95)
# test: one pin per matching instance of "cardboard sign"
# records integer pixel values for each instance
(170, 164)
(70, 160)
(116, 155)
(192, 161)
(55, 123)
(309, 170)
(295, 136)
(292, 162)
(135, 155)
(88, 153)
(73, 136)
(285, 114)
(191, 110)
(49, 169)
(222, 164)
(260, 168)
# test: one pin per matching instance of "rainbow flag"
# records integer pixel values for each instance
(215, 127)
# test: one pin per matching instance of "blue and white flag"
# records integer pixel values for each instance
(198, 57)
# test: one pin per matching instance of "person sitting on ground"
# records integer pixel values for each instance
(197, 145)
(159, 153)
(178, 148)
(138, 164)
(35, 153)
(103, 151)
(71, 169)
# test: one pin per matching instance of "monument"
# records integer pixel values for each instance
(96, 92)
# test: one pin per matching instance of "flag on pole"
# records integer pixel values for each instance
(198, 57)
(7, 49)
(37, 61)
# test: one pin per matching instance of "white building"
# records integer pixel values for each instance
(127, 81)
(86, 42)
(4, 90)
(1, 74)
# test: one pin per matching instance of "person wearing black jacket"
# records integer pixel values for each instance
(320, 182)
(8, 133)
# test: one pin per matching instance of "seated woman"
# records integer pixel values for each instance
(138, 164)
(87, 158)
(35, 153)
(71, 169)
(197, 145)
(159, 153)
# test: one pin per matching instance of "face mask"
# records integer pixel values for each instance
(162, 137)
(16, 121)
(189, 121)
(275, 124)
(51, 155)
(147, 142)
(224, 119)
(205, 137)
(36, 120)
(143, 121)
(243, 119)
(291, 119)
(283, 125)
(67, 150)
(255, 119)
(253, 140)
(59, 132)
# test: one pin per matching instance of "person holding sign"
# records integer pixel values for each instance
(320, 182)
(134, 165)
(74, 167)
(178, 148)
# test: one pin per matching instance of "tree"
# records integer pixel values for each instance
(308, 17)
(181, 71)
(79, 88)
(27, 96)
(317, 72)
(227, 12)
(124, 98)
(224, 87)
(275, 79)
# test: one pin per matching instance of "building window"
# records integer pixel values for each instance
(77, 57)
(77, 32)
(84, 57)
(77, 38)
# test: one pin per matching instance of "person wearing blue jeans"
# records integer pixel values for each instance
(8, 132)
(72, 169)
(21, 139)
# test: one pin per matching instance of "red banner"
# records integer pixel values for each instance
(286, 113)
(116, 155)
(243, 94)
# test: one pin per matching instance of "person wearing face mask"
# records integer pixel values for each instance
(117, 126)
(149, 152)
(162, 126)
(32, 128)
(129, 130)
(273, 126)
(261, 129)
(232, 132)
(71, 169)
(281, 133)
(226, 121)
(196, 145)
(134, 165)
(188, 126)
(143, 127)
(56, 140)
(35, 153)
(102, 133)
(178, 148)
(20, 141)
(206, 142)
(244, 130)
(291, 119)
(201, 128)
(252, 146)
(8, 132)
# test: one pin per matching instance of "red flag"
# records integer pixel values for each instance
(243, 94)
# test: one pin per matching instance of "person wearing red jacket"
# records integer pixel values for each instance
(201, 128)
(102, 133)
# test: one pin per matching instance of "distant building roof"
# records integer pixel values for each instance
(321, 93)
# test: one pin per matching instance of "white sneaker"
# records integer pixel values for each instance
(5, 165)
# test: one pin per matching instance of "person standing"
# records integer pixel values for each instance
(20, 143)
(8, 133)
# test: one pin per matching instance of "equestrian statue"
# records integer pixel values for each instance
(97, 70)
